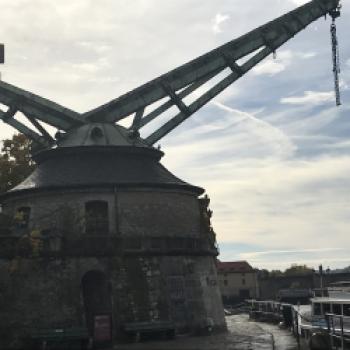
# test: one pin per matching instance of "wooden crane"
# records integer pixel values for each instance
(175, 85)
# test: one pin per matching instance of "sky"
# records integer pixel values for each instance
(272, 151)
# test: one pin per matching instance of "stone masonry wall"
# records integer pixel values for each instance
(41, 294)
(158, 214)
(174, 282)
(132, 212)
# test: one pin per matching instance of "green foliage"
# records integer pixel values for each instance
(298, 270)
(294, 270)
(263, 274)
(15, 161)
(276, 273)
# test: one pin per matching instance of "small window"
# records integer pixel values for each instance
(243, 281)
(317, 309)
(346, 308)
(243, 274)
(176, 286)
(326, 308)
(96, 217)
(225, 283)
(22, 217)
(336, 309)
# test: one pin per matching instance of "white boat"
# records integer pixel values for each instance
(327, 319)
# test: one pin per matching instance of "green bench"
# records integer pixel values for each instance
(136, 330)
(67, 339)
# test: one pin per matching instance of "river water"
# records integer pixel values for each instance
(242, 334)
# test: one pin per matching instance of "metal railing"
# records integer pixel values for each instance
(338, 330)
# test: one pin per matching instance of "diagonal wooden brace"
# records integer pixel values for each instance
(176, 99)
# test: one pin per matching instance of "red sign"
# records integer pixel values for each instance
(102, 328)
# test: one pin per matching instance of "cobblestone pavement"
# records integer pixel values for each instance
(242, 335)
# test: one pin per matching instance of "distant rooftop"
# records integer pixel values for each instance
(234, 266)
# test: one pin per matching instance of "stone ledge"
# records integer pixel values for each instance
(100, 246)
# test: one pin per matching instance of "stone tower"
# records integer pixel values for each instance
(103, 231)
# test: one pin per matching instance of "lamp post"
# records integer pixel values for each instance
(320, 269)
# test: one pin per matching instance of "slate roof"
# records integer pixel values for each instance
(100, 154)
(234, 266)
(101, 166)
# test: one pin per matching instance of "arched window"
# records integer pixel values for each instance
(96, 217)
(22, 217)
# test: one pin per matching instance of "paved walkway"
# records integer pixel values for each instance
(242, 335)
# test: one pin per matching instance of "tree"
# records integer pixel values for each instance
(15, 161)
(276, 273)
(298, 270)
(262, 274)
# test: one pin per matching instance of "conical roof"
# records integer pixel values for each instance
(100, 155)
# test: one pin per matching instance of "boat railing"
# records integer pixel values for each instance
(338, 329)
(320, 292)
(332, 291)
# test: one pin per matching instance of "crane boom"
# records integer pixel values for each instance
(187, 78)
(174, 86)
(34, 106)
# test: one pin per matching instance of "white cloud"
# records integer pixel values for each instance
(260, 128)
(343, 85)
(280, 204)
(283, 259)
(283, 59)
(300, 2)
(310, 98)
(251, 255)
(218, 21)
(269, 67)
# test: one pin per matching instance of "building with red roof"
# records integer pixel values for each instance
(237, 280)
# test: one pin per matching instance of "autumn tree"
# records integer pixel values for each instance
(15, 161)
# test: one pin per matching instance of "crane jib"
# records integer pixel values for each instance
(234, 59)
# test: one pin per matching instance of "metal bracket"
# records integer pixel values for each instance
(334, 13)
(136, 123)
(233, 65)
(176, 99)
(43, 131)
(268, 43)
(320, 6)
(10, 113)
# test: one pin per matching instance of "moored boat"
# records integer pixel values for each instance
(326, 321)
